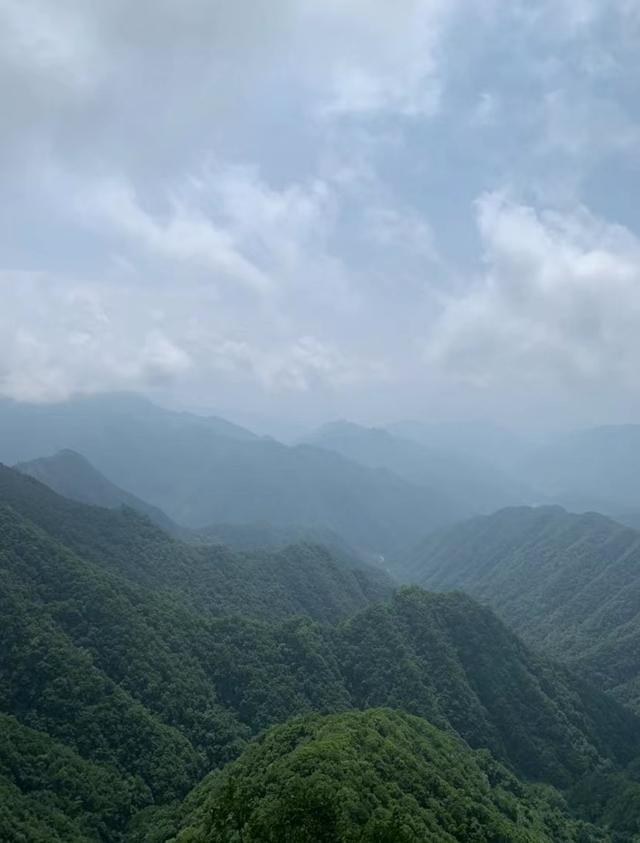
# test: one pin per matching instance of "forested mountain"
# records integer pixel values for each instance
(260, 536)
(377, 775)
(73, 476)
(30, 430)
(204, 471)
(569, 584)
(472, 485)
(127, 673)
(125, 656)
(49, 793)
(105, 661)
(303, 578)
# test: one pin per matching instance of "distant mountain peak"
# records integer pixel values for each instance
(71, 475)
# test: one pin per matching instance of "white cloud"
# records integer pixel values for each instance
(375, 58)
(274, 194)
(185, 235)
(298, 365)
(559, 302)
(58, 337)
(232, 230)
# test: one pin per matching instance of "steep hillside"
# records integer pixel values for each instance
(377, 775)
(302, 578)
(447, 659)
(248, 537)
(142, 685)
(72, 476)
(50, 794)
(126, 677)
(202, 471)
(469, 483)
(124, 655)
(569, 584)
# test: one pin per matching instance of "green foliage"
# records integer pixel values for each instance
(445, 658)
(208, 578)
(125, 648)
(71, 475)
(377, 775)
(49, 793)
(569, 584)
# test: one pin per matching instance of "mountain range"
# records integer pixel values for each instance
(203, 471)
(126, 661)
(568, 584)
(72, 475)
(258, 678)
(469, 484)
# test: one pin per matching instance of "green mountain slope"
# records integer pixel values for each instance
(569, 584)
(261, 536)
(72, 476)
(127, 648)
(447, 659)
(121, 674)
(377, 775)
(202, 471)
(305, 578)
(49, 794)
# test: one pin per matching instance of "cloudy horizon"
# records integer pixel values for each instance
(319, 210)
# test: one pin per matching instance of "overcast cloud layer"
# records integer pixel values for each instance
(366, 209)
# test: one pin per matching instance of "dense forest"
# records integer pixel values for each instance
(136, 664)
(378, 775)
(569, 584)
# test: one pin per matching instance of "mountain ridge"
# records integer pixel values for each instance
(568, 583)
(198, 476)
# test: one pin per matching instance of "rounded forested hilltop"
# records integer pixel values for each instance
(378, 775)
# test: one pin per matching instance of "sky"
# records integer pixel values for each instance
(310, 209)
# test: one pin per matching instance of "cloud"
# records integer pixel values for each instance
(277, 197)
(229, 228)
(558, 304)
(297, 366)
(387, 58)
(159, 84)
(59, 337)
(60, 49)
(185, 235)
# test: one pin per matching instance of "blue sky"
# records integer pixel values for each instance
(316, 209)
